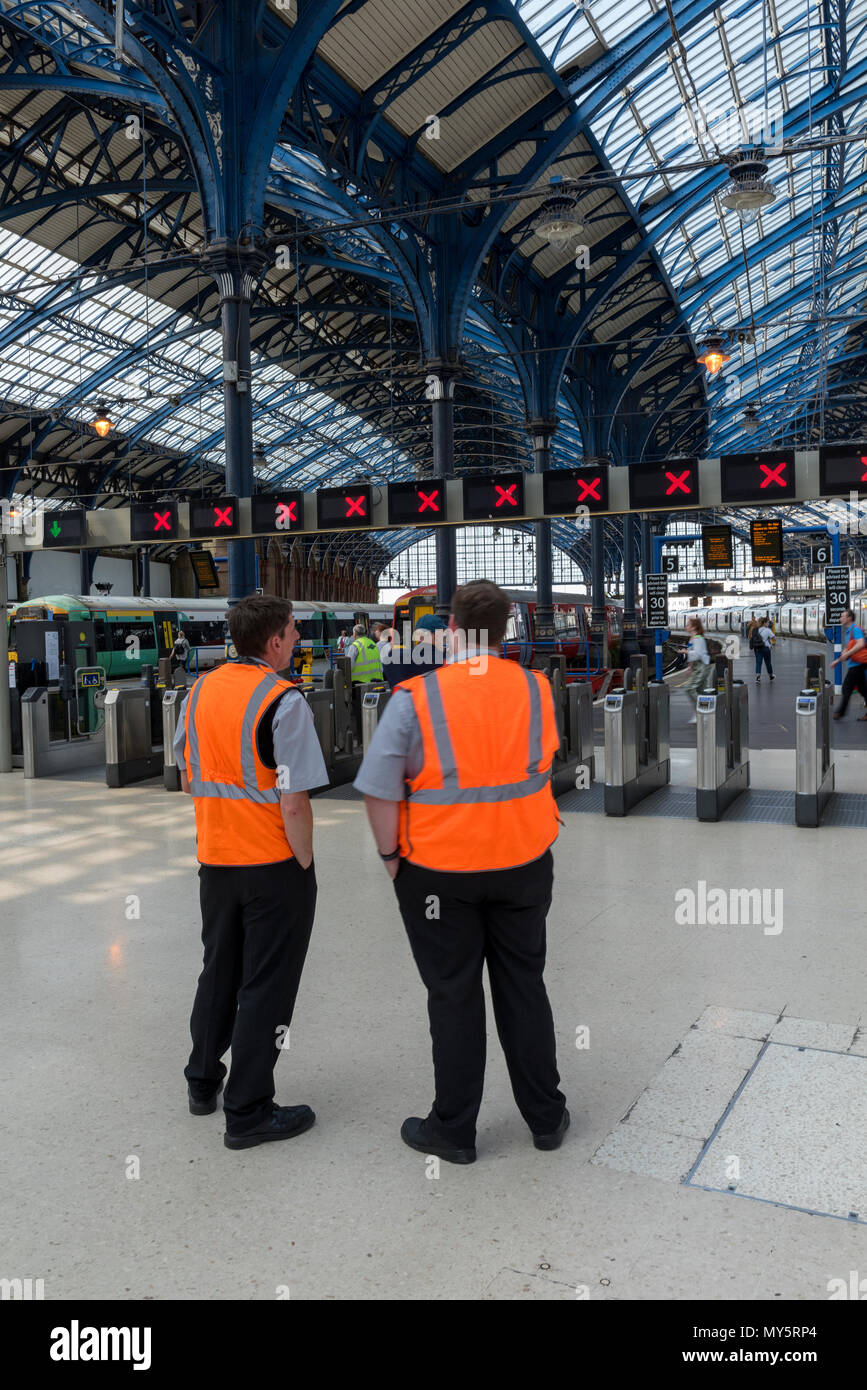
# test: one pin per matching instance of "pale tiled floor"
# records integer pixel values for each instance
(96, 990)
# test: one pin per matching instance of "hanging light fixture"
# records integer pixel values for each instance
(712, 356)
(102, 424)
(750, 421)
(749, 191)
(557, 220)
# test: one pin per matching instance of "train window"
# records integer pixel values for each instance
(205, 632)
(511, 629)
(122, 631)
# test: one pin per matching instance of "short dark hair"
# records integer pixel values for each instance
(849, 612)
(484, 607)
(255, 620)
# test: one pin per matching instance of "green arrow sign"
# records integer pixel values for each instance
(54, 528)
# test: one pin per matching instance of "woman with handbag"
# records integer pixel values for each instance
(855, 654)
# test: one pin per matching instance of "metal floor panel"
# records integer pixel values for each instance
(845, 810)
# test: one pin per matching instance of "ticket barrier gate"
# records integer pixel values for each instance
(45, 756)
(374, 699)
(171, 708)
(814, 769)
(129, 751)
(637, 746)
(723, 738)
(573, 706)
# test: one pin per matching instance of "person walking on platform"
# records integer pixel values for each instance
(180, 652)
(698, 656)
(366, 662)
(855, 656)
(457, 787)
(248, 753)
(761, 640)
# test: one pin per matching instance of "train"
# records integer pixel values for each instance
(571, 629)
(122, 635)
(805, 620)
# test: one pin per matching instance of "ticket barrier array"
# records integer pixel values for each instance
(814, 768)
(722, 747)
(637, 746)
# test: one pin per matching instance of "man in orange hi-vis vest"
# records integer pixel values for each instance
(457, 785)
(248, 754)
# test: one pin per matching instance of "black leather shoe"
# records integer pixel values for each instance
(553, 1141)
(412, 1132)
(284, 1122)
(206, 1106)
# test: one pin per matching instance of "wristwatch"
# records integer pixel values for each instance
(387, 857)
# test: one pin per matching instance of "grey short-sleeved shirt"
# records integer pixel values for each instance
(396, 753)
(296, 746)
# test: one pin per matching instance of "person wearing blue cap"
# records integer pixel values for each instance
(400, 664)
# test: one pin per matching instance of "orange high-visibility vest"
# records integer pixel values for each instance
(483, 798)
(237, 800)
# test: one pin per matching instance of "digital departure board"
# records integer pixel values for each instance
(674, 484)
(214, 516)
(65, 526)
(717, 547)
(564, 490)
(763, 477)
(766, 541)
(494, 498)
(156, 523)
(340, 507)
(412, 502)
(842, 469)
(204, 569)
(276, 511)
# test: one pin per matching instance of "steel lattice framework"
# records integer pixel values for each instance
(371, 196)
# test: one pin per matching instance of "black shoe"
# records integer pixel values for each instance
(553, 1141)
(773, 678)
(205, 1106)
(284, 1122)
(412, 1132)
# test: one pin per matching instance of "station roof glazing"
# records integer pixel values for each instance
(103, 297)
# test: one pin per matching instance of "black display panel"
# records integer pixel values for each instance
(204, 569)
(339, 507)
(717, 547)
(494, 498)
(564, 490)
(156, 523)
(766, 541)
(67, 526)
(409, 503)
(763, 477)
(673, 484)
(276, 511)
(214, 516)
(842, 469)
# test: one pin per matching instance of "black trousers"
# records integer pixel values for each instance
(256, 925)
(854, 679)
(496, 917)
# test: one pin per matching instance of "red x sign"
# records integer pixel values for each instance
(864, 474)
(590, 489)
(222, 516)
(161, 521)
(506, 495)
(773, 475)
(428, 499)
(354, 506)
(286, 512)
(678, 483)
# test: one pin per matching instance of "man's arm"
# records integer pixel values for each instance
(298, 823)
(383, 818)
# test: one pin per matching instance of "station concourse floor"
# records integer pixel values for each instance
(707, 1045)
